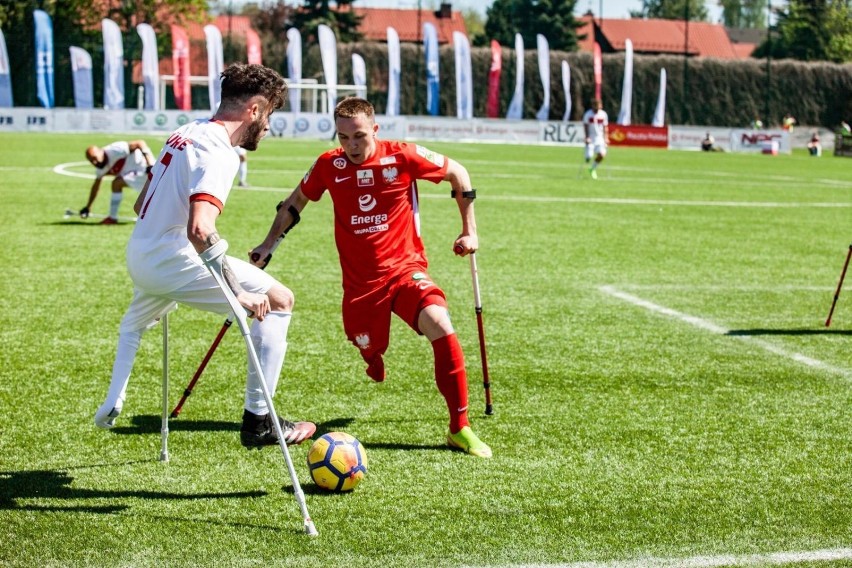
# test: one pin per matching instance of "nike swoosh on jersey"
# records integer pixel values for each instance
(338, 180)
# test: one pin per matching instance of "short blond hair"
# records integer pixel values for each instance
(351, 107)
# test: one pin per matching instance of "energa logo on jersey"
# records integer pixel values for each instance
(366, 203)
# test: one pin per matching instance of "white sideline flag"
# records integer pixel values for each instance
(81, 72)
(627, 86)
(543, 49)
(660, 113)
(113, 66)
(359, 75)
(294, 68)
(215, 65)
(150, 66)
(394, 73)
(566, 87)
(328, 53)
(516, 107)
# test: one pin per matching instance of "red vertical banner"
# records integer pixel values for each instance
(253, 46)
(598, 70)
(180, 64)
(492, 109)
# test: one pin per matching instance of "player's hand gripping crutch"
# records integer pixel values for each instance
(477, 303)
(294, 213)
(213, 258)
(839, 285)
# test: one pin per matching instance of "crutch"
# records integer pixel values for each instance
(294, 214)
(213, 259)
(839, 285)
(477, 303)
(164, 425)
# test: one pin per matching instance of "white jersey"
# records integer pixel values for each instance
(196, 162)
(121, 161)
(596, 122)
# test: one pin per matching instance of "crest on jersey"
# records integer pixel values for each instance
(339, 163)
(362, 340)
(365, 178)
(434, 157)
(390, 175)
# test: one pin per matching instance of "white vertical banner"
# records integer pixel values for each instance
(566, 88)
(113, 66)
(660, 113)
(464, 77)
(516, 107)
(394, 73)
(328, 53)
(359, 75)
(294, 68)
(81, 73)
(430, 47)
(627, 86)
(5, 75)
(543, 49)
(215, 65)
(150, 66)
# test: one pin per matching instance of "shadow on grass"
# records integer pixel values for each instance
(151, 424)
(765, 331)
(56, 484)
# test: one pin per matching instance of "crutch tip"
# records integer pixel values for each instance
(489, 410)
(310, 529)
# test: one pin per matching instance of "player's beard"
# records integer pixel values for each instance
(254, 133)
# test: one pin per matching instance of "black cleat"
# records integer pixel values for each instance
(258, 431)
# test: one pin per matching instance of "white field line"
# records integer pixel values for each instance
(719, 330)
(62, 169)
(767, 559)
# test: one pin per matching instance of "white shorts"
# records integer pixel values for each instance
(135, 180)
(202, 293)
(596, 148)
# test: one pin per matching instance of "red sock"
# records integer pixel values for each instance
(451, 378)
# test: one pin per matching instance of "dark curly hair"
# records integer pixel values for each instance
(241, 81)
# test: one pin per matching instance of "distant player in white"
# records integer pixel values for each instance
(596, 124)
(128, 162)
(177, 212)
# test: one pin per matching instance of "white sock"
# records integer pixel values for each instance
(114, 202)
(128, 345)
(270, 341)
(588, 153)
(243, 171)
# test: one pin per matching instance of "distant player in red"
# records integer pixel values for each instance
(372, 184)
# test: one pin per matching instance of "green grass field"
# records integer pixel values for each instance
(665, 390)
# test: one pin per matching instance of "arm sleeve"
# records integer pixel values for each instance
(426, 164)
(211, 173)
(312, 185)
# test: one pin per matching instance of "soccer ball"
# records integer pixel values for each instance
(337, 462)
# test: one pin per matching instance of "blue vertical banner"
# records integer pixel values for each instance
(44, 57)
(113, 65)
(81, 71)
(464, 77)
(394, 73)
(433, 84)
(5, 76)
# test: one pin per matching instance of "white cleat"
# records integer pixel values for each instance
(106, 415)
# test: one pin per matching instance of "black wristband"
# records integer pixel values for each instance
(466, 194)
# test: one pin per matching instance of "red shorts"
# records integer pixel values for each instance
(367, 316)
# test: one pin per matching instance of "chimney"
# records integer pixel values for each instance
(445, 11)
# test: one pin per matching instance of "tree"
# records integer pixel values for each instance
(554, 19)
(692, 10)
(811, 30)
(744, 13)
(343, 21)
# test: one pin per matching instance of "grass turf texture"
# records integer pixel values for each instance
(619, 433)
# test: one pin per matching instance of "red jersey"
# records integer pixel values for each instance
(376, 208)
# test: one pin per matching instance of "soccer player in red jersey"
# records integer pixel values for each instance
(372, 184)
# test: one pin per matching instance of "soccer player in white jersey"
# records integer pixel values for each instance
(129, 162)
(177, 210)
(596, 124)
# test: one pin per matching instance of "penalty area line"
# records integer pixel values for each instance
(719, 330)
(766, 559)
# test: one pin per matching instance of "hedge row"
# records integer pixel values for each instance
(700, 91)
